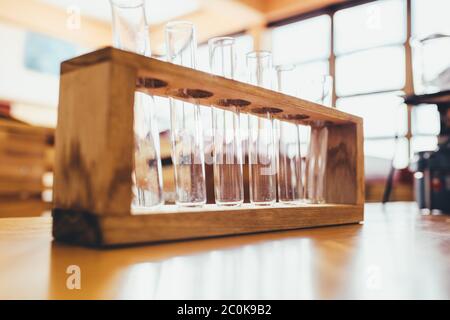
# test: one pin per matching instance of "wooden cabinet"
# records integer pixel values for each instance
(26, 155)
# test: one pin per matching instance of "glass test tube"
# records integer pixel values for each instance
(289, 160)
(261, 139)
(186, 127)
(228, 170)
(318, 90)
(130, 32)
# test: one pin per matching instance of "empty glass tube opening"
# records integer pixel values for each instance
(130, 31)
(185, 120)
(261, 139)
(130, 27)
(228, 163)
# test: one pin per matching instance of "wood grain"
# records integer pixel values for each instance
(23, 158)
(172, 223)
(178, 77)
(94, 145)
(345, 165)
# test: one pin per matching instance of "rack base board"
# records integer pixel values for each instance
(88, 229)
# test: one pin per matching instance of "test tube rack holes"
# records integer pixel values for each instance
(94, 155)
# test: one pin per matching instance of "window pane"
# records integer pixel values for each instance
(396, 149)
(431, 65)
(425, 120)
(302, 41)
(372, 70)
(312, 69)
(370, 25)
(385, 115)
(419, 144)
(430, 16)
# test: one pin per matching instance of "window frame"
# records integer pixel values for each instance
(408, 87)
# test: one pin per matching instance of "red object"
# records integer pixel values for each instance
(436, 184)
(5, 109)
(405, 176)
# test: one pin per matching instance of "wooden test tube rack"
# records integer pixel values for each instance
(95, 149)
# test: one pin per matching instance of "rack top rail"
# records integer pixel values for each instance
(166, 79)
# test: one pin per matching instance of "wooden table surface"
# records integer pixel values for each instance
(396, 253)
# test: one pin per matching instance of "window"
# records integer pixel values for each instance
(388, 149)
(425, 126)
(422, 143)
(370, 74)
(385, 115)
(309, 43)
(374, 70)
(430, 63)
(430, 21)
(314, 68)
(425, 120)
(371, 25)
(368, 47)
(307, 40)
(430, 16)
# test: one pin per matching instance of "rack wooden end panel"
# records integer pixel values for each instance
(94, 154)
